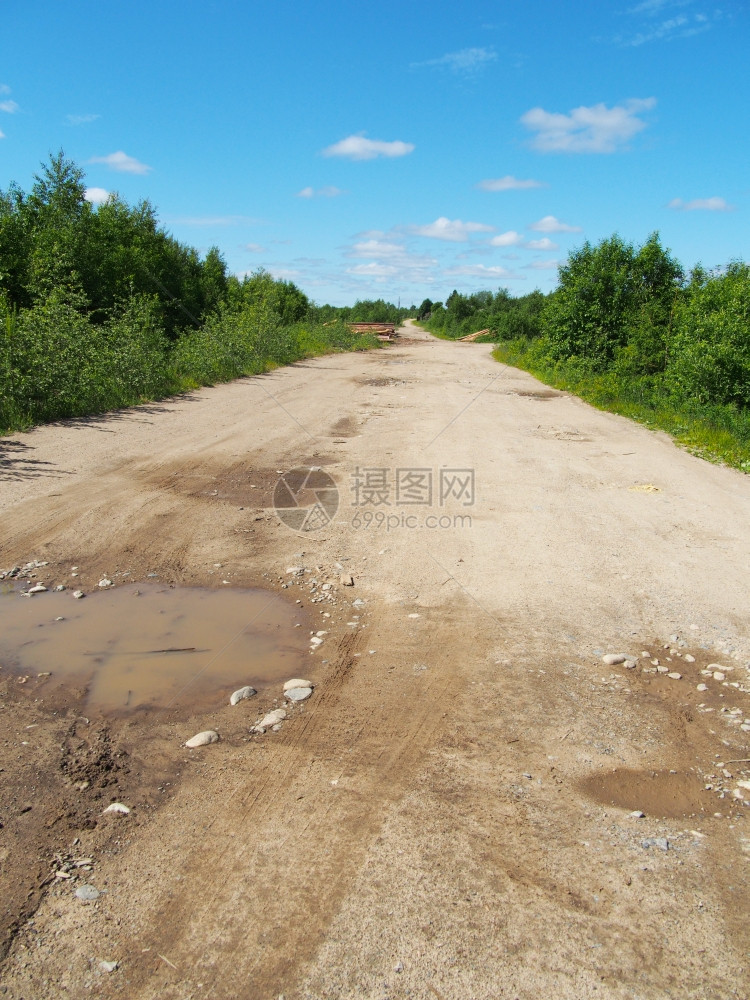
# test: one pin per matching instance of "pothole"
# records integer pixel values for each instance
(537, 393)
(150, 646)
(383, 381)
(656, 793)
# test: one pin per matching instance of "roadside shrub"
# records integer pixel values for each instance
(57, 363)
(710, 353)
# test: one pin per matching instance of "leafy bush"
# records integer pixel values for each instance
(612, 295)
(57, 363)
(710, 353)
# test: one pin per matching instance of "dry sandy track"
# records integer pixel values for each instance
(450, 815)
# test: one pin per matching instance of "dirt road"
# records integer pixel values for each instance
(451, 814)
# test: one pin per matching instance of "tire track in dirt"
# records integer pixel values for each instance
(243, 901)
(460, 834)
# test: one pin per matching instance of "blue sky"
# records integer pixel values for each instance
(395, 150)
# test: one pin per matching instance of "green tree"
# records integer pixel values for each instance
(710, 352)
(611, 295)
(425, 309)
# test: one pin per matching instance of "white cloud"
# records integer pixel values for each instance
(376, 248)
(481, 271)
(122, 162)
(81, 119)
(509, 184)
(4, 88)
(463, 61)
(701, 204)
(653, 7)
(514, 239)
(254, 247)
(2, 135)
(9, 107)
(394, 253)
(324, 192)
(549, 224)
(594, 129)
(543, 265)
(509, 239)
(96, 195)
(358, 147)
(374, 270)
(455, 231)
(389, 259)
(675, 27)
(285, 272)
(543, 244)
(678, 25)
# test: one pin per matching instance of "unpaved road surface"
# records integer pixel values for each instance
(450, 814)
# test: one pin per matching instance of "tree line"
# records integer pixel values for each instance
(101, 307)
(629, 312)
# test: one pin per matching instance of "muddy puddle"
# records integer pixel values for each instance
(150, 646)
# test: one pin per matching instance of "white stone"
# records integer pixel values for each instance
(297, 682)
(241, 694)
(272, 719)
(702, 687)
(689, 658)
(104, 582)
(107, 966)
(612, 659)
(116, 807)
(88, 893)
(203, 739)
(298, 694)
(39, 588)
(675, 676)
(718, 675)
(78, 594)
(347, 580)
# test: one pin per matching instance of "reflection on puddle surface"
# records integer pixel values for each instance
(149, 645)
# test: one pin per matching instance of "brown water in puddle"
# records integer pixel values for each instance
(147, 645)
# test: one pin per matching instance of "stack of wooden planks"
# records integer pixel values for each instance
(383, 331)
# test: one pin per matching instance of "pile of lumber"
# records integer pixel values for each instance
(383, 331)
(471, 337)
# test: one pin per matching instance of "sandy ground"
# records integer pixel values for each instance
(450, 814)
